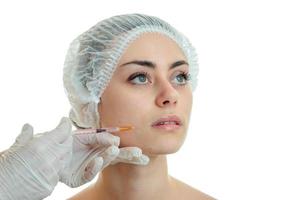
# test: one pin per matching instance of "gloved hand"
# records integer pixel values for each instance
(29, 168)
(93, 152)
(35, 163)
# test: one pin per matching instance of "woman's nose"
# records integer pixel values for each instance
(167, 96)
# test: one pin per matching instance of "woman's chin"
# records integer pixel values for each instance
(155, 143)
(162, 149)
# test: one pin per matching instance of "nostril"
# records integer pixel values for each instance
(166, 102)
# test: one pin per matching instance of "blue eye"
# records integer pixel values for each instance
(183, 78)
(141, 77)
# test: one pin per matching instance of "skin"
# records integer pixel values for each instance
(147, 102)
(140, 102)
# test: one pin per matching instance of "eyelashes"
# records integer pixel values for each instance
(185, 75)
(137, 74)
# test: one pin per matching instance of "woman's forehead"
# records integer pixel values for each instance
(151, 45)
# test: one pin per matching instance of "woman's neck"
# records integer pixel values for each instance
(128, 181)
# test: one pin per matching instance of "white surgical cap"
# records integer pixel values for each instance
(92, 58)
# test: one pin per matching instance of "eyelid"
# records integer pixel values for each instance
(147, 73)
(134, 75)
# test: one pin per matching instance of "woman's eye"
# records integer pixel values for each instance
(138, 78)
(183, 78)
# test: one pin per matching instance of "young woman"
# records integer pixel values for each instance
(134, 70)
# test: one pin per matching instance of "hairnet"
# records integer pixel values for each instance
(92, 58)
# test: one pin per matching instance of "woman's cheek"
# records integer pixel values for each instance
(127, 140)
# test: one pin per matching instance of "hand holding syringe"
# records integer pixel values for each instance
(72, 157)
(95, 149)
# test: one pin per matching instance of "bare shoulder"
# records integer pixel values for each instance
(189, 192)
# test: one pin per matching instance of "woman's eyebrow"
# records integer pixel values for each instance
(152, 65)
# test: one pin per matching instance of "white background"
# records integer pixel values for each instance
(243, 141)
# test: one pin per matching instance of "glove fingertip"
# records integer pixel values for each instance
(26, 134)
(144, 160)
(27, 128)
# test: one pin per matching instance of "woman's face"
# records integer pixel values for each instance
(139, 94)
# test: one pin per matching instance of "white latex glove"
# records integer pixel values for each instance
(29, 168)
(93, 152)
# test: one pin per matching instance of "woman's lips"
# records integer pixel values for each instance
(168, 118)
(168, 123)
(167, 127)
